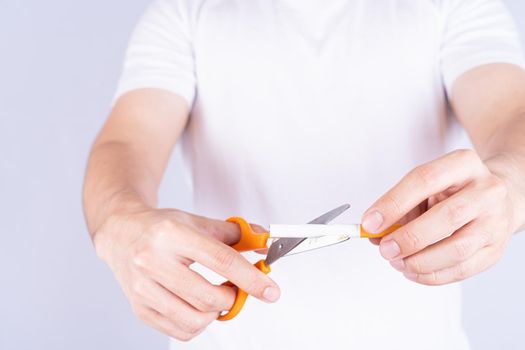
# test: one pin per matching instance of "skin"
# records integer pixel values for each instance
(458, 211)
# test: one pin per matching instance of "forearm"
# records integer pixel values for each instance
(116, 180)
(504, 154)
(490, 103)
(130, 155)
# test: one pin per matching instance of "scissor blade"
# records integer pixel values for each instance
(283, 246)
(315, 230)
(313, 243)
(332, 214)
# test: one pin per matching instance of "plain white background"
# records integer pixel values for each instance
(59, 63)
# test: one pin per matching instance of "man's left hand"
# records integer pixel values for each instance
(457, 218)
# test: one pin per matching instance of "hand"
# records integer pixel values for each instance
(150, 253)
(457, 218)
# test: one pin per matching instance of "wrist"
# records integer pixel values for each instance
(508, 169)
(123, 203)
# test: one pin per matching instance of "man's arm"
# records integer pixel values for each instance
(150, 250)
(490, 104)
(472, 201)
(129, 156)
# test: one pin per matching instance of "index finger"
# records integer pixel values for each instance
(454, 169)
(227, 262)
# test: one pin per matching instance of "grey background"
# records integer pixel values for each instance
(59, 63)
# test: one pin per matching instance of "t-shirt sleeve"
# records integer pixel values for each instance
(477, 32)
(160, 53)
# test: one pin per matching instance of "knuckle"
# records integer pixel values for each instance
(433, 279)
(413, 264)
(138, 287)
(162, 230)
(195, 325)
(183, 337)
(141, 257)
(254, 286)
(462, 271)
(409, 241)
(485, 238)
(424, 174)
(207, 302)
(393, 203)
(223, 258)
(455, 212)
(199, 323)
(466, 155)
(463, 249)
(171, 312)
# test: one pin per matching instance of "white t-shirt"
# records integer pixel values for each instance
(300, 106)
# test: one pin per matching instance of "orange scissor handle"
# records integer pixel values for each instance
(249, 241)
(241, 296)
(388, 231)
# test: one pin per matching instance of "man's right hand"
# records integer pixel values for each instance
(150, 251)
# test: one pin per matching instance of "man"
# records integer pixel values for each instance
(286, 109)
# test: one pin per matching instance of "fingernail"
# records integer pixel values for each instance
(271, 294)
(389, 249)
(398, 264)
(410, 275)
(372, 222)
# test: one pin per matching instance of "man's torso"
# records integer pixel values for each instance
(300, 107)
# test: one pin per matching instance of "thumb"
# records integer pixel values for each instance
(230, 232)
(226, 232)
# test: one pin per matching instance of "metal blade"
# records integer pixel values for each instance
(313, 243)
(332, 214)
(315, 230)
(283, 246)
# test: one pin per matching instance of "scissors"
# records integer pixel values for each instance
(292, 239)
